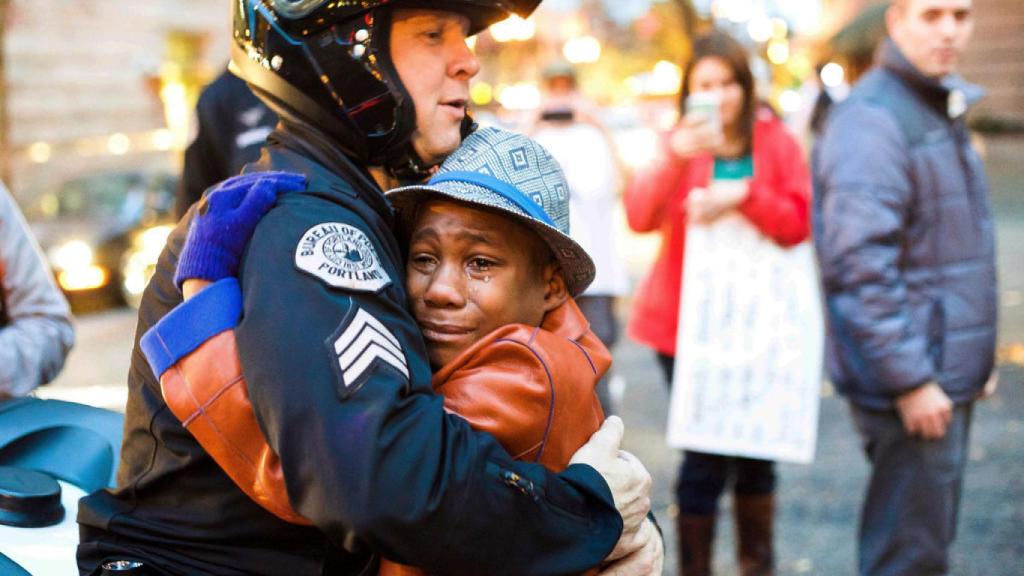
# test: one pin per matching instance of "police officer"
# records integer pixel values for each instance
(337, 370)
(232, 126)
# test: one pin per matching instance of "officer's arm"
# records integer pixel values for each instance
(341, 386)
(860, 224)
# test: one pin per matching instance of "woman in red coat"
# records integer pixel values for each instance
(773, 193)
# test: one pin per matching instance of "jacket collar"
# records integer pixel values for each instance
(566, 321)
(951, 94)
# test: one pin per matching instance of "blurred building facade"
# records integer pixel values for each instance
(104, 84)
(995, 58)
(101, 84)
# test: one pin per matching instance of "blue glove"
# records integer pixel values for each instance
(221, 228)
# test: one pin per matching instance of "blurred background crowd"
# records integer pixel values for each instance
(101, 135)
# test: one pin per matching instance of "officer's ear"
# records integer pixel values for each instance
(555, 290)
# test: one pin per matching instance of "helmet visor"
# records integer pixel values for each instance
(523, 8)
(482, 13)
(292, 9)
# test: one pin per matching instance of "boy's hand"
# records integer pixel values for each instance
(193, 286)
(226, 219)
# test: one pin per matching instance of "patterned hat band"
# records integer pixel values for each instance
(500, 187)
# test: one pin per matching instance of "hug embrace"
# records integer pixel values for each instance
(338, 334)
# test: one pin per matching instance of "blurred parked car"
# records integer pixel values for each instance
(103, 233)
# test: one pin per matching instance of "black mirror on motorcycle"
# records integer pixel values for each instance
(29, 499)
(52, 453)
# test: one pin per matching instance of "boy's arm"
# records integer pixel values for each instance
(193, 352)
(530, 389)
(193, 286)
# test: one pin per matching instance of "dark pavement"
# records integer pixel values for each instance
(819, 503)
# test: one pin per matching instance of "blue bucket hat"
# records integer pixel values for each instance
(511, 173)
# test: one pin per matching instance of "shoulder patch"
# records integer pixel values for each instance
(342, 256)
(361, 344)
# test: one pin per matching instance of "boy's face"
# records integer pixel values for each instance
(471, 271)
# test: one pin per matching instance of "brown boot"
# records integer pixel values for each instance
(696, 536)
(755, 515)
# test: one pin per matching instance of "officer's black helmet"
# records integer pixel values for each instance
(328, 62)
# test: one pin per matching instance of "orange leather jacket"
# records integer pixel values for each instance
(531, 388)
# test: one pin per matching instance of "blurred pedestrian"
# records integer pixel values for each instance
(36, 333)
(685, 187)
(232, 125)
(905, 240)
(570, 129)
(853, 50)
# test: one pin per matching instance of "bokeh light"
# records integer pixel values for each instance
(832, 75)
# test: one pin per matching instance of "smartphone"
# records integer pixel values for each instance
(708, 106)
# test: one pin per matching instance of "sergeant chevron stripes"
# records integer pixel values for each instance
(364, 341)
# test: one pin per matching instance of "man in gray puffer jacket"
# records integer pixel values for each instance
(35, 321)
(905, 242)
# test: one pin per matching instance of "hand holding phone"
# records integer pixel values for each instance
(700, 130)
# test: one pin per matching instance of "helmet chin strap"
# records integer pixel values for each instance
(409, 167)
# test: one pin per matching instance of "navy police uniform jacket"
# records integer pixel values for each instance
(340, 383)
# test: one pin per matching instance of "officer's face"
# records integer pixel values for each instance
(430, 54)
(471, 271)
(932, 34)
